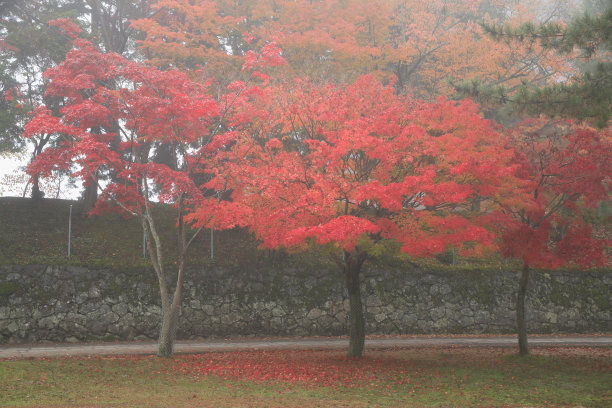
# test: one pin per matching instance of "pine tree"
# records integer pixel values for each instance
(586, 96)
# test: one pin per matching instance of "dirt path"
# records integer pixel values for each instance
(84, 349)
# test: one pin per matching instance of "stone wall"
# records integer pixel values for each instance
(52, 303)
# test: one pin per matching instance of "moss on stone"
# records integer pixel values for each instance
(398, 300)
(558, 295)
(7, 289)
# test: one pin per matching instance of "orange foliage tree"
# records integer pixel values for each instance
(424, 44)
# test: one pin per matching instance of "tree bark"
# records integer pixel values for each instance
(167, 334)
(37, 194)
(520, 312)
(90, 196)
(170, 309)
(356, 319)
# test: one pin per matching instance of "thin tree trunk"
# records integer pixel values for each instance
(169, 318)
(520, 312)
(356, 318)
(167, 334)
(170, 307)
(171, 313)
(169, 321)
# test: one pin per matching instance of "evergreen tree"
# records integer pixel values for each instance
(586, 96)
(11, 113)
(29, 46)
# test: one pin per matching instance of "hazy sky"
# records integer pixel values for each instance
(10, 166)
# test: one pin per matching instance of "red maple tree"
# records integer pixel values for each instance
(117, 116)
(564, 171)
(357, 167)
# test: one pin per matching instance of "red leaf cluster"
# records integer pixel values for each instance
(117, 113)
(67, 26)
(309, 368)
(340, 164)
(564, 170)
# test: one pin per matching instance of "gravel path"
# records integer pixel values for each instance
(86, 349)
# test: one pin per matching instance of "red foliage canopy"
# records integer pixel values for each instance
(565, 171)
(117, 113)
(341, 164)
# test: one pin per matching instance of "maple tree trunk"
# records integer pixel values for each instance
(520, 312)
(172, 311)
(171, 308)
(167, 334)
(170, 316)
(356, 318)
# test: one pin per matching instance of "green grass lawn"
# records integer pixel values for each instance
(414, 377)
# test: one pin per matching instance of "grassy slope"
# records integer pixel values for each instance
(37, 233)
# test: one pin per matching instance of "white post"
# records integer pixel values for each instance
(144, 243)
(212, 244)
(69, 229)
